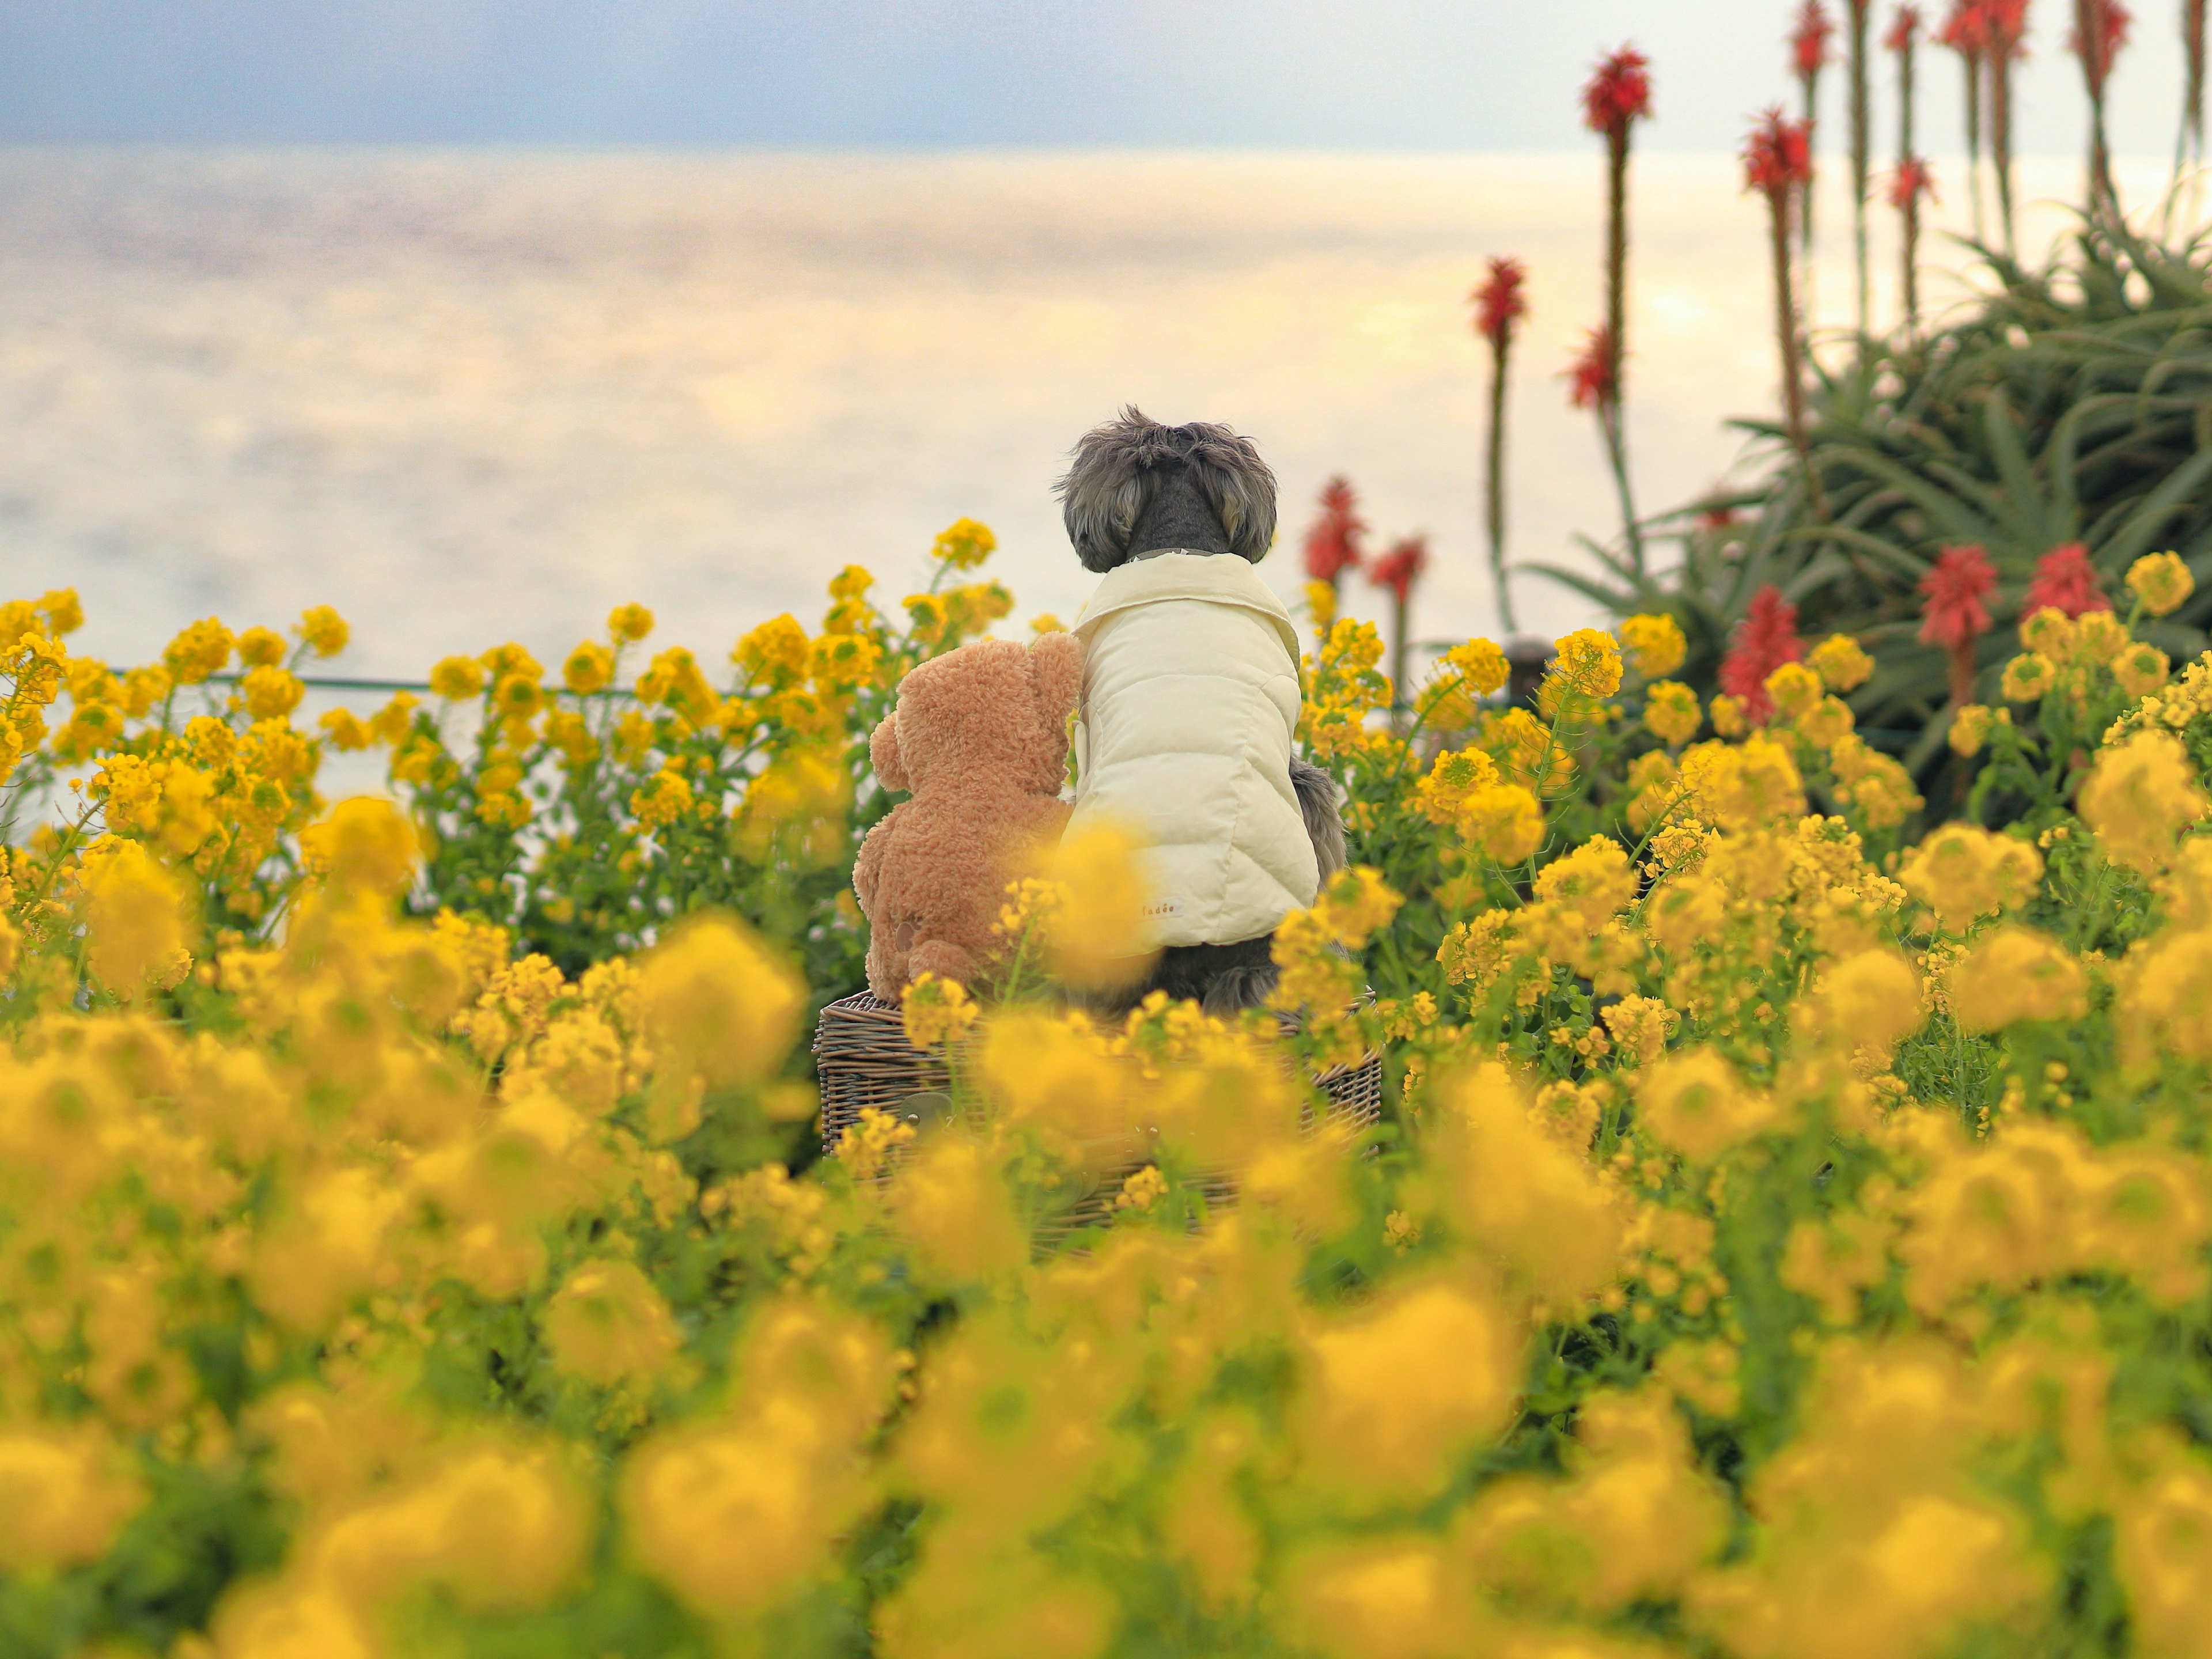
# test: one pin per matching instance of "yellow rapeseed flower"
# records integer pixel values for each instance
(1962, 872)
(2139, 796)
(1654, 645)
(269, 692)
(1671, 712)
(322, 630)
(1588, 663)
(2015, 974)
(1505, 822)
(2162, 581)
(963, 545)
(629, 623)
(2140, 669)
(935, 1012)
(200, 650)
(1841, 662)
(1694, 1103)
(589, 668)
(260, 645)
(2029, 677)
(457, 678)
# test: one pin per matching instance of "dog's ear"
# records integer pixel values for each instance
(1056, 666)
(883, 754)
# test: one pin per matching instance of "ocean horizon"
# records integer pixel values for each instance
(474, 396)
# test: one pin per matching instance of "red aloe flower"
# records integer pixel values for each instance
(1904, 29)
(2065, 580)
(1500, 302)
(1402, 567)
(1808, 41)
(1779, 156)
(2100, 29)
(1589, 377)
(1332, 545)
(1956, 585)
(1619, 92)
(1913, 180)
(1967, 30)
(1396, 572)
(1765, 638)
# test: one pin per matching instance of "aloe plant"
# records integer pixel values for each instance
(2073, 404)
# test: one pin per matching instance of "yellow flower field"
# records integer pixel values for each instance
(1786, 1237)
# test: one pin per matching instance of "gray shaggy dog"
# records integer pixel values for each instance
(1137, 487)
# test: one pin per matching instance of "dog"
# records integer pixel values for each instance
(1187, 725)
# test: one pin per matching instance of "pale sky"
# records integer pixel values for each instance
(1389, 75)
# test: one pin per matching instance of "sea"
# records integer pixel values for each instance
(471, 397)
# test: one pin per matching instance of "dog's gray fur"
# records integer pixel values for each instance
(1137, 487)
(1133, 475)
(1316, 794)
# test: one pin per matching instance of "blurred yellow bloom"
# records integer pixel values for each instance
(1595, 881)
(2028, 677)
(259, 647)
(2099, 637)
(345, 730)
(1505, 822)
(457, 678)
(322, 630)
(1654, 645)
(2139, 796)
(935, 1012)
(270, 693)
(365, 844)
(135, 919)
(2048, 632)
(714, 1000)
(1394, 1389)
(1841, 662)
(1970, 727)
(1962, 872)
(1727, 716)
(64, 1496)
(775, 653)
(589, 668)
(1101, 937)
(607, 1324)
(1695, 1103)
(200, 650)
(629, 623)
(2162, 581)
(1671, 712)
(963, 545)
(1794, 689)
(2140, 669)
(63, 612)
(2015, 974)
(1588, 663)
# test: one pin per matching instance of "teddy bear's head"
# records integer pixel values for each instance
(989, 711)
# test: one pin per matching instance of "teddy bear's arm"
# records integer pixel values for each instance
(868, 866)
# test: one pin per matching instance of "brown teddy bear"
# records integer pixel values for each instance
(979, 736)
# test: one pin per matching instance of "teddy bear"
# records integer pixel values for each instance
(979, 736)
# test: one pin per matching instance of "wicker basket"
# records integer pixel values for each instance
(862, 1060)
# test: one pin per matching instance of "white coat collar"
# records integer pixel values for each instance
(1216, 578)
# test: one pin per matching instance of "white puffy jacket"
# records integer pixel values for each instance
(1190, 703)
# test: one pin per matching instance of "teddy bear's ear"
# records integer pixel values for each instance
(1056, 665)
(883, 754)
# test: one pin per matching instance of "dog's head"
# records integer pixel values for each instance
(1120, 466)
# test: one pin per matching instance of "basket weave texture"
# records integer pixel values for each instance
(863, 1060)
